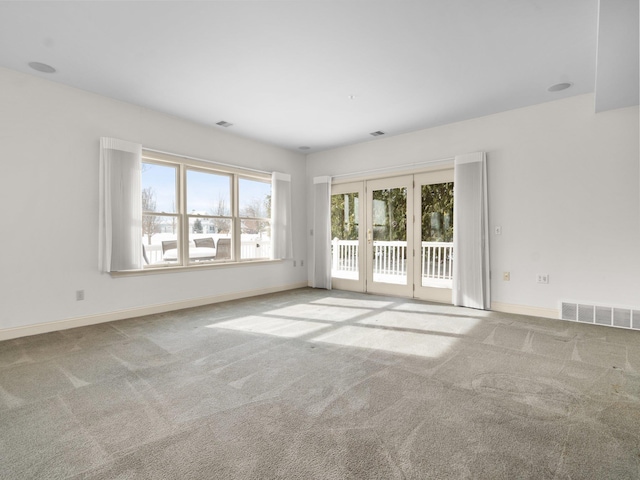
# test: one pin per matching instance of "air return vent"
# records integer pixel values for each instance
(569, 311)
(622, 318)
(601, 315)
(585, 313)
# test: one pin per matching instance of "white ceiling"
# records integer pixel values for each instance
(282, 71)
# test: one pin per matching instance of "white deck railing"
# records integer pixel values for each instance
(248, 249)
(437, 260)
(390, 259)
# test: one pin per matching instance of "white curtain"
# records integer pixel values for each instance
(471, 284)
(120, 215)
(281, 238)
(322, 232)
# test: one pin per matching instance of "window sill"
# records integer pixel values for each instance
(193, 267)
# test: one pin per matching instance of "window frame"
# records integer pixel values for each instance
(182, 166)
(243, 218)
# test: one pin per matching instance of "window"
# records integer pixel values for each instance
(255, 217)
(193, 213)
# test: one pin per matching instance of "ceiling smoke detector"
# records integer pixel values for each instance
(224, 124)
(42, 67)
(377, 134)
(559, 86)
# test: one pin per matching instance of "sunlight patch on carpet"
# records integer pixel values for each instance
(425, 323)
(409, 343)
(280, 327)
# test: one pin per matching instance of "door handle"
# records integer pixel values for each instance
(369, 236)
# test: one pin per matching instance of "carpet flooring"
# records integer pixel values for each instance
(315, 384)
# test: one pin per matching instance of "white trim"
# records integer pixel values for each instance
(323, 179)
(16, 332)
(285, 177)
(469, 158)
(525, 310)
(146, 149)
(123, 145)
(398, 168)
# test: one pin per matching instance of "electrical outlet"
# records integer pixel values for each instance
(302, 263)
(79, 295)
(497, 230)
(543, 278)
(506, 276)
(295, 263)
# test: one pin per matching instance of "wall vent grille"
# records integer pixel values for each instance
(622, 318)
(604, 315)
(601, 315)
(569, 311)
(585, 313)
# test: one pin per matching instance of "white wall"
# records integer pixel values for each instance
(564, 186)
(49, 149)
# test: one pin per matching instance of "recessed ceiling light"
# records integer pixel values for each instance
(558, 87)
(224, 124)
(377, 134)
(42, 67)
(304, 148)
(352, 97)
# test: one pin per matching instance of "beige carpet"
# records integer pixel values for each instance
(330, 385)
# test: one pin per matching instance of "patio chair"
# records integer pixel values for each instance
(168, 245)
(204, 242)
(223, 249)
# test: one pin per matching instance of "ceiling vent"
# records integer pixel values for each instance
(224, 124)
(377, 134)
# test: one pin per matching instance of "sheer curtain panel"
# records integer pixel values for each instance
(120, 215)
(281, 237)
(322, 232)
(471, 284)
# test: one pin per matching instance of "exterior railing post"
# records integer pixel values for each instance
(336, 253)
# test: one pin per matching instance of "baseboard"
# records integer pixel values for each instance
(525, 310)
(16, 332)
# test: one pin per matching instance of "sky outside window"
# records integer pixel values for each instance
(208, 193)
(162, 180)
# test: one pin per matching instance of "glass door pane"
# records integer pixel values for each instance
(434, 235)
(344, 235)
(437, 234)
(389, 236)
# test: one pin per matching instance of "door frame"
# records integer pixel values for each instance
(364, 188)
(345, 283)
(406, 290)
(432, 294)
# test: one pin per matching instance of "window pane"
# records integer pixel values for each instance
(208, 193)
(255, 198)
(255, 239)
(437, 212)
(389, 218)
(159, 188)
(204, 235)
(344, 235)
(437, 235)
(159, 239)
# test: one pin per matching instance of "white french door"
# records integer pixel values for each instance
(393, 236)
(347, 240)
(433, 236)
(389, 232)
